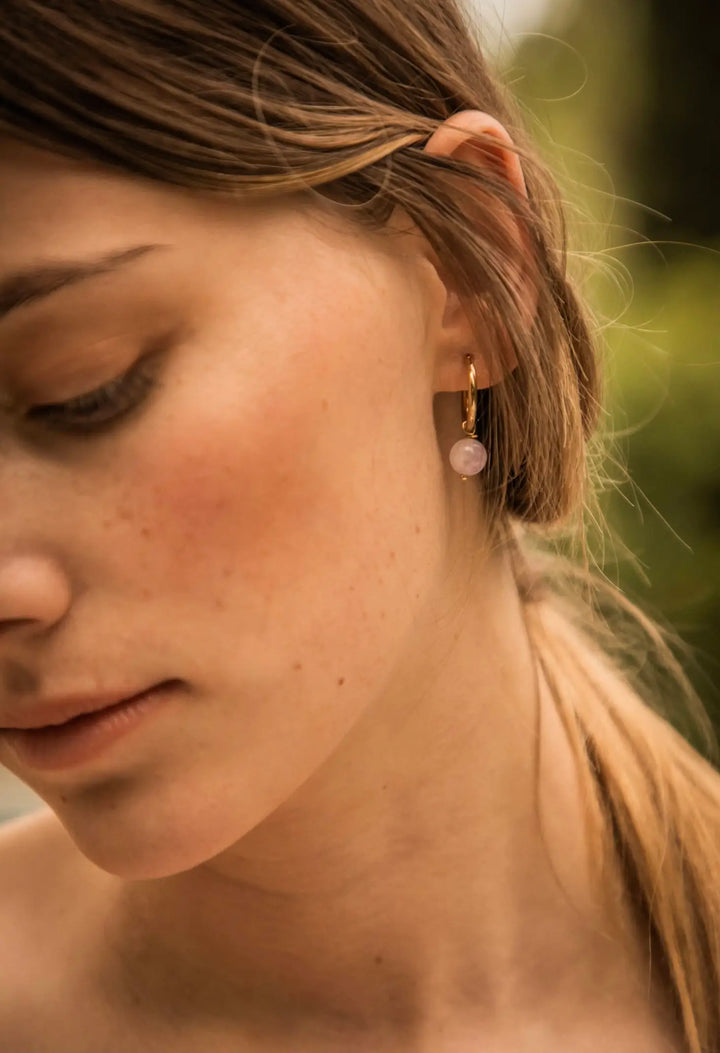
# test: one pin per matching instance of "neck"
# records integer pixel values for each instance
(407, 879)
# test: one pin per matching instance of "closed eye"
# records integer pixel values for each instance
(100, 407)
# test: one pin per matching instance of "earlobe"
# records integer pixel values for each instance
(454, 339)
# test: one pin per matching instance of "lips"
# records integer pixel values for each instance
(90, 735)
(63, 710)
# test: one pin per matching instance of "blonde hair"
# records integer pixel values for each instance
(335, 98)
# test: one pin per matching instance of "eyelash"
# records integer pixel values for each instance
(100, 407)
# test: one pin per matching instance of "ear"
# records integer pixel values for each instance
(456, 138)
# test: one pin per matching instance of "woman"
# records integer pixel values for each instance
(293, 381)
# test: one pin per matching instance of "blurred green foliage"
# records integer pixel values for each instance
(609, 95)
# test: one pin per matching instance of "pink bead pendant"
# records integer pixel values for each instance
(468, 457)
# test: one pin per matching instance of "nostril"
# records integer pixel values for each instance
(6, 624)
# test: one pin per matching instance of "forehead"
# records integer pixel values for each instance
(56, 210)
(52, 204)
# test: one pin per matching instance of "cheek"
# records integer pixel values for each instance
(227, 501)
(282, 469)
(302, 526)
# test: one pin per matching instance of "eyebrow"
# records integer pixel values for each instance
(35, 283)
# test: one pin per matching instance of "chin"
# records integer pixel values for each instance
(142, 862)
(145, 840)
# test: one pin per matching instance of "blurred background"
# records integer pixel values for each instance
(623, 100)
(621, 97)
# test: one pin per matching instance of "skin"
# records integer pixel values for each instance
(330, 833)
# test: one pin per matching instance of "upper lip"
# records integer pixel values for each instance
(44, 713)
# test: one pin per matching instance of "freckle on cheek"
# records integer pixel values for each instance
(244, 505)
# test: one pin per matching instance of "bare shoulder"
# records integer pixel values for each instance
(40, 828)
(42, 894)
(37, 859)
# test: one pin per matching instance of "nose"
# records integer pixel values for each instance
(34, 593)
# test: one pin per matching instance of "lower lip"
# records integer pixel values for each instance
(84, 738)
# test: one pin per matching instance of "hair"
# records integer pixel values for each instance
(334, 99)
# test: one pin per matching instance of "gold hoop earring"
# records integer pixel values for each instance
(468, 456)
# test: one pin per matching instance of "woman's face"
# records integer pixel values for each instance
(262, 520)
